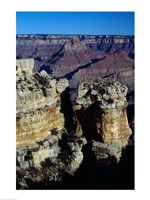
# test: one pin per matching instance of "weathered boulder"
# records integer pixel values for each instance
(73, 156)
(103, 152)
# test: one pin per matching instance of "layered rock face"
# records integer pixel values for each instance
(38, 103)
(38, 106)
(43, 118)
(59, 145)
(79, 57)
(102, 105)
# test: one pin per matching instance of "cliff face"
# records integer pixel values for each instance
(57, 142)
(79, 57)
(38, 103)
(24, 65)
(101, 110)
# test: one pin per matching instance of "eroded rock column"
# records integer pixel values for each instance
(101, 111)
(38, 115)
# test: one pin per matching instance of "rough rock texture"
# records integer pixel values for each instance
(61, 146)
(79, 57)
(101, 111)
(73, 155)
(24, 65)
(34, 154)
(103, 152)
(38, 104)
(38, 113)
(43, 113)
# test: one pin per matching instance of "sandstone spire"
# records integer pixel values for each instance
(102, 114)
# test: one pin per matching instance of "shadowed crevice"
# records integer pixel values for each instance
(67, 110)
(71, 74)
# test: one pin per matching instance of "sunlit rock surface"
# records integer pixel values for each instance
(102, 111)
(38, 104)
(63, 146)
(80, 57)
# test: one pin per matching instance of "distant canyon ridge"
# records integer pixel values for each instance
(79, 57)
(85, 142)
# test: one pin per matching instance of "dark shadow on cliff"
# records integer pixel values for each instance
(71, 74)
(34, 53)
(45, 68)
(109, 49)
(56, 56)
(66, 109)
(88, 123)
(130, 113)
(38, 58)
(93, 175)
(131, 54)
(126, 169)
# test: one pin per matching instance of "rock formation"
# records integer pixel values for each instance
(38, 114)
(58, 143)
(102, 104)
(38, 103)
(24, 65)
(79, 57)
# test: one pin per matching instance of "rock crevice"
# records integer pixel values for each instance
(52, 135)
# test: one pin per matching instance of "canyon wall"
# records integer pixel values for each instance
(78, 57)
(55, 140)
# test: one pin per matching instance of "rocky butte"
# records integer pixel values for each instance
(60, 146)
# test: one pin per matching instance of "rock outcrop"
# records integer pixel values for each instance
(58, 143)
(101, 110)
(38, 107)
(73, 155)
(106, 153)
(75, 45)
(79, 57)
(44, 117)
(38, 103)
